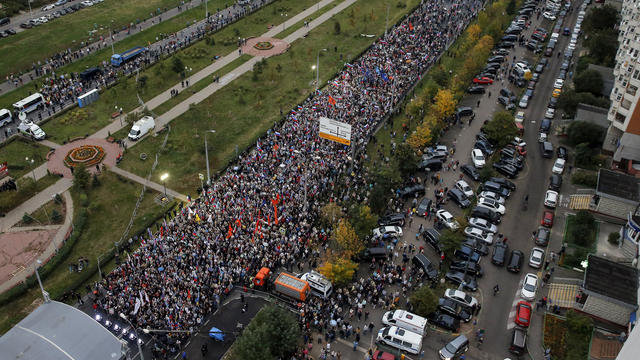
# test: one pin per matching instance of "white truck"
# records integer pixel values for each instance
(32, 130)
(141, 127)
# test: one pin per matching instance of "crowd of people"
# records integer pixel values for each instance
(262, 212)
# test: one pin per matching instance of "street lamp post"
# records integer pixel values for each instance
(111, 36)
(163, 178)
(206, 154)
(45, 294)
(30, 14)
(124, 317)
(318, 68)
(284, 24)
(33, 172)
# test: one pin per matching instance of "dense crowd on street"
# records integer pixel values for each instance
(261, 213)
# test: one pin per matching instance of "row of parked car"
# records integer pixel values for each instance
(56, 14)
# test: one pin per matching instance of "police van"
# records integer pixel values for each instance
(320, 285)
(401, 339)
(405, 320)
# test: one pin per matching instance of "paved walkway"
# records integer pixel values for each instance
(155, 186)
(49, 251)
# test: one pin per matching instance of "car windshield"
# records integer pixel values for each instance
(468, 298)
(530, 285)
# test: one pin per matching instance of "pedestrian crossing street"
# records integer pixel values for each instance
(580, 202)
(563, 295)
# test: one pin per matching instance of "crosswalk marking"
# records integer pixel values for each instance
(580, 202)
(516, 299)
(563, 295)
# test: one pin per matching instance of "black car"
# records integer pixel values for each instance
(476, 90)
(504, 183)
(468, 267)
(432, 237)
(459, 198)
(423, 263)
(506, 169)
(379, 253)
(555, 182)
(26, 25)
(468, 281)
(392, 219)
(515, 261)
(482, 136)
(506, 45)
(467, 254)
(470, 171)
(423, 207)
(412, 190)
(553, 102)
(508, 94)
(454, 309)
(562, 152)
(503, 52)
(444, 321)
(504, 101)
(484, 146)
(491, 216)
(10, 31)
(478, 246)
(541, 236)
(430, 165)
(490, 70)
(516, 161)
(499, 254)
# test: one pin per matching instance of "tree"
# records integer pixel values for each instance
(450, 241)
(473, 34)
(336, 28)
(511, 7)
(601, 18)
(363, 220)
(569, 100)
(580, 132)
(347, 239)
(417, 141)
(501, 129)
(273, 334)
(81, 177)
(424, 301)
(385, 178)
(584, 156)
(55, 216)
(444, 104)
(578, 335)
(177, 65)
(331, 213)
(589, 81)
(603, 46)
(339, 270)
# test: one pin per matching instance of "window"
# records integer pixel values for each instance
(397, 341)
(636, 74)
(632, 89)
(620, 118)
(626, 104)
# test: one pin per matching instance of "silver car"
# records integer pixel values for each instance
(537, 258)
(483, 225)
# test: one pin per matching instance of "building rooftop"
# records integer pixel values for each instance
(592, 114)
(617, 184)
(611, 279)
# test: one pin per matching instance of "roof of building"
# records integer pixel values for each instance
(617, 184)
(607, 78)
(592, 114)
(58, 331)
(611, 279)
(628, 147)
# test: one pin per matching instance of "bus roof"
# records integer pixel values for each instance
(27, 99)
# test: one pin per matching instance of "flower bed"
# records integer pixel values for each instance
(555, 331)
(85, 155)
(263, 45)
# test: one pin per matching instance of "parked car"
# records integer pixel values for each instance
(499, 253)
(461, 297)
(477, 157)
(551, 199)
(483, 225)
(529, 287)
(432, 237)
(422, 262)
(469, 267)
(484, 146)
(467, 253)
(493, 196)
(387, 230)
(464, 188)
(562, 153)
(392, 219)
(468, 282)
(506, 168)
(475, 233)
(459, 198)
(523, 314)
(412, 190)
(483, 80)
(454, 309)
(444, 321)
(445, 218)
(504, 183)
(515, 261)
(485, 213)
(476, 245)
(541, 236)
(470, 171)
(558, 166)
(547, 218)
(424, 207)
(476, 89)
(555, 182)
(430, 165)
(491, 204)
(536, 258)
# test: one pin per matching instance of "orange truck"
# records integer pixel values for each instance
(291, 286)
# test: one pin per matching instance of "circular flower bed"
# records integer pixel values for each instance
(263, 45)
(85, 155)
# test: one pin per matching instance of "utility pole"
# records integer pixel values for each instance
(386, 24)
(206, 154)
(206, 9)
(30, 14)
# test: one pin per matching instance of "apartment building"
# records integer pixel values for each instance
(623, 134)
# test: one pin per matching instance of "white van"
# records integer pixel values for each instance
(32, 130)
(141, 127)
(320, 285)
(5, 117)
(402, 339)
(405, 320)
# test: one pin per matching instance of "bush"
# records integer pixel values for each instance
(27, 219)
(336, 28)
(177, 65)
(55, 216)
(589, 81)
(586, 178)
(582, 229)
(584, 156)
(424, 301)
(580, 132)
(614, 238)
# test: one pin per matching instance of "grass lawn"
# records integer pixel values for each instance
(27, 188)
(554, 335)
(160, 76)
(243, 110)
(109, 207)
(17, 150)
(44, 215)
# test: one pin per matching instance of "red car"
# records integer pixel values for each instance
(381, 355)
(523, 314)
(547, 218)
(482, 81)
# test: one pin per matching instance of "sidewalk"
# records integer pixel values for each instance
(155, 186)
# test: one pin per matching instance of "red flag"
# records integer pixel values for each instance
(230, 233)
(332, 101)
(410, 27)
(275, 207)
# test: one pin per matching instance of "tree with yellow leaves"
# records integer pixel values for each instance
(339, 270)
(331, 213)
(473, 34)
(445, 104)
(420, 137)
(347, 239)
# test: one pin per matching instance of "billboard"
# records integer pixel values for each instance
(335, 131)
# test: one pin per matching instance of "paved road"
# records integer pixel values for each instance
(36, 12)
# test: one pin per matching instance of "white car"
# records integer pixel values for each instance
(524, 102)
(475, 233)
(48, 7)
(537, 258)
(491, 204)
(460, 297)
(550, 113)
(447, 219)
(523, 67)
(465, 188)
(483, 225)
(558, 84)
(571, 47)
(43, 19)
(478, 158)
(519, 117)
(387, 230)
(549, 16)
(558, 166)
(493, 196)
(87, 3)
(551, 199)
(529, 287)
